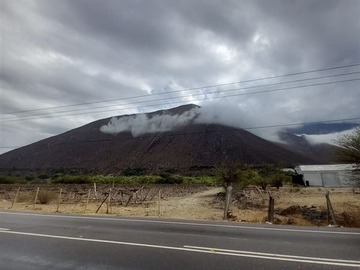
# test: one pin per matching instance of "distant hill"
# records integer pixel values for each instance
(192, 146)
(323, 153)
(295, 140)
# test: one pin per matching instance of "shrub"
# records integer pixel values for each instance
(262, 182)
(45, 196)
(276, 181)
(229, 174)
(167, 178)
(71, 179)
(43, 176)
(274, 175)
(205, 180)
(7, 179)
(25, 196)
(239, 175)
(30, 177)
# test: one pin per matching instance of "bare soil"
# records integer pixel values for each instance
(305, 206)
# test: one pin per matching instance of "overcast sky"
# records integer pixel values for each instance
(60, 53)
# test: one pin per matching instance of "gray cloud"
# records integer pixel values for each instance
(56, 53)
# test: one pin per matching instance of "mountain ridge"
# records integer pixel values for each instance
(192, 145)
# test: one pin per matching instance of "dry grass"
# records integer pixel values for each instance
(308, 206)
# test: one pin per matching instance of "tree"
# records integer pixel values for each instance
(237, 174)
(273, 176)
(229, 174)
(349, 151)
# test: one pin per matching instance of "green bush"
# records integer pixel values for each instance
(121, 179)
(71, 179)
(30, 177)
(8, 179)
(274, 175)
(166, 178)
(262, 182)
(204, 180)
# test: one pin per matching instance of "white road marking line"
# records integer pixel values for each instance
(185, 223)
(4, 229)
(202, 250)
(215, 250)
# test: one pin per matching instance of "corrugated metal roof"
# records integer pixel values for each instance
(332, 167)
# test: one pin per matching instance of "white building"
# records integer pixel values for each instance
(337, 175)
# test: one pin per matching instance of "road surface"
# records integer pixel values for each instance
(40, 241)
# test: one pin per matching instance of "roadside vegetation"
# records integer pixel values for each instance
(164, 178)
(240, 175)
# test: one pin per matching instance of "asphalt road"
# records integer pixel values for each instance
(36, 241)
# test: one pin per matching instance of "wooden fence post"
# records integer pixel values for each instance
(227, 200)
(87, 200)
(36, 196)
(59, 201)
(330, 210)
(102, 203)
(95, 192)
(132, 195)
(144, 198)
(159, 207)
(271, 209)
(16, 196)
(108, 209)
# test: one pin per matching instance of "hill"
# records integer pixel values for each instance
(183, 148)
(323, 153)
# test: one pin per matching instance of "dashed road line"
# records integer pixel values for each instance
(206, 250)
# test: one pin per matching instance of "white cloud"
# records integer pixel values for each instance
(330, 138)
(142, 124)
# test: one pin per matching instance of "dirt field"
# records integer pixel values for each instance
(306, 206)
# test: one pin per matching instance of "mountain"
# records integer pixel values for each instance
(295, 139)
(191, 146)
(324, 153)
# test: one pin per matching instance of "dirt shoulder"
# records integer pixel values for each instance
(306, 206)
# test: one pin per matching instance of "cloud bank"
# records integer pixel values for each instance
(214, 113)
(61, 53)
(142, 124)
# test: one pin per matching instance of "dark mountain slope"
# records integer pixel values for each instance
(323, 152)
(87, 148)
